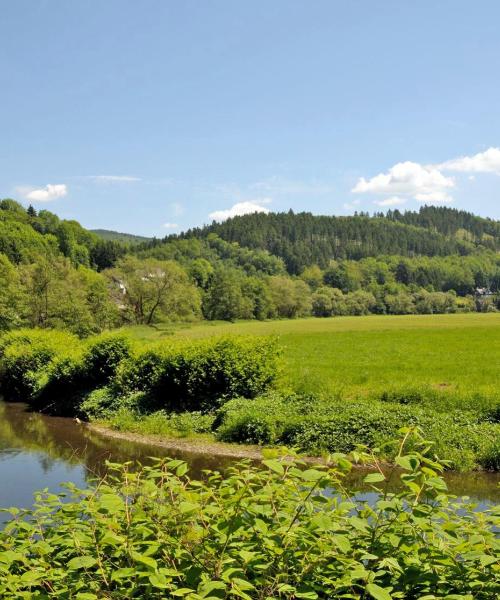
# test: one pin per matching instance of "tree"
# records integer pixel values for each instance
(291, 297)
(313, 276)
(10, 295)
(150, 290)
(400, 304)
(360, 303)
(225, 298)
(60, 296)
(201, 272)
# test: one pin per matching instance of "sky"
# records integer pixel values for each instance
(152, 117)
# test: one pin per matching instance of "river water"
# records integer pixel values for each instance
(38, 451)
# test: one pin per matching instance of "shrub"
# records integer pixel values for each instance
(102, 356)
(314, 425)
(200, 375)
(72, 377)
(102, 403)
(26, 356)
(287, 530)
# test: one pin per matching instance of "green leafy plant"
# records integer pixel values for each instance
(288, 530)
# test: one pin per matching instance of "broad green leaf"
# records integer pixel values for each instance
(311, 475)
(378, 592)
(158, 580)
(181, 592)
(274, 465)
(306, 595)
(188, 507)
(143, 559)
(407, 462)
(374, 478)
(81, 562)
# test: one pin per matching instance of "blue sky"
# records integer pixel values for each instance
(151, 117)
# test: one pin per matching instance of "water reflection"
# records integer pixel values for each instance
(37, 451)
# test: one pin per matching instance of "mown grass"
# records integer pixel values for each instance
(361, 355)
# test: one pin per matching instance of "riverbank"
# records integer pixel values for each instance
(201, 444)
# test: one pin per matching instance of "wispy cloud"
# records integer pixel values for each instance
(280, 186)
(177, 209)
(113, 178)
(351, 205)
(171, 225)
(44, 194)
(392, 201)
(241, 208)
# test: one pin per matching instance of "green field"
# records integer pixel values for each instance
(360, 354)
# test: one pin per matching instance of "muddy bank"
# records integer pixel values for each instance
(182, 444)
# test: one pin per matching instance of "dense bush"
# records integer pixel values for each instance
(26, 356)
(315, 425)
(56, 372)
(75, 368)
(200, 375)
(102, 356)
(485, 406)
(287, 531)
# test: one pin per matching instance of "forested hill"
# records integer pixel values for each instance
(304, 239)
(125, 238)
(56, 274)
(26, 235)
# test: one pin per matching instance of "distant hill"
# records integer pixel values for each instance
(124, 238)
(305, 239)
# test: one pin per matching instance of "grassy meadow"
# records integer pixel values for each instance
(358, 355)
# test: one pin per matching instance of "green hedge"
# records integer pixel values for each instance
(199, 375)
(60, 374)
(26, 358)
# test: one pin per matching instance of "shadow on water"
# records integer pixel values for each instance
(37, 451)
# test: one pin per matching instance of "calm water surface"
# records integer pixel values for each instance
(37, 451)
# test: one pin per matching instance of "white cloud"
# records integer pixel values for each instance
(483, 162)
(114, 178)
(170, 225)
(433, 197)
(392, 201)
(241, 208)
(176, 208)
(427, 183)
(45, 194)
(351, 205)
(408, 179)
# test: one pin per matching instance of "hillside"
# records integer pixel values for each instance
(56, 274)
(116, 236)
(304, 239)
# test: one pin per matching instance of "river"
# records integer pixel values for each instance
(38, 451)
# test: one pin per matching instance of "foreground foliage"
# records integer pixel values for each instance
(286, 531)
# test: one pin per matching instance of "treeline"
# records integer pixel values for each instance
(25, 235)
(56, 274)
(304, 239)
